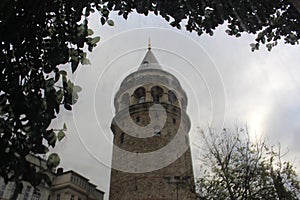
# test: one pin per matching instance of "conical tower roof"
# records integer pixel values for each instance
(149, 61)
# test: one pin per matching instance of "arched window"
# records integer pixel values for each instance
(122, 137)
(140, 94)
(156, 93)
(172, 97)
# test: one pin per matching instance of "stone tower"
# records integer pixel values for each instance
(151, 153)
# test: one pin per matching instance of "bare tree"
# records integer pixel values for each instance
(234, 167)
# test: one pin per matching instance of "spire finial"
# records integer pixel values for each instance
(149, 44)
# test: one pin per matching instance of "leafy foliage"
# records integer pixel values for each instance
(36, 38)
(236, 168)
(271, 20)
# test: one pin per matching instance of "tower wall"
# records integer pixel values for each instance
(151, 153)
(154, 184)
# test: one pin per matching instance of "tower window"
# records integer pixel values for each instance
(172, 97)
(122, 137)
(174, 121)
(140, 95)
(156, 99)
(137, 119)
(156, 93)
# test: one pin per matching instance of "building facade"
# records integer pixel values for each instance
(151, 153)
(70, 185)
(67, 185)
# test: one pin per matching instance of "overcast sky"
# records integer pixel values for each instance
(225, 82)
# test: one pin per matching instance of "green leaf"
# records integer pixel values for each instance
(90, 48)
(110, 22)
(173, 24)
(50, 137)
(59, 95)
(95, 40)
(60, 135)
(40, 149)
(76, 89)
(105, 12)
(74, 65)
(102, 20)
(53, 160)
(50, 82)
(90, 32)
(85, 61)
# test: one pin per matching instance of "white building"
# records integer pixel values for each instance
(67, 185)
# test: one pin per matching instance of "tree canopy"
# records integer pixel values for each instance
(234, 167)
(37, 37)
(269, 20)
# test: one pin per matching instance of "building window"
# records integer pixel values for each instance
(58, 197)
(27, 192)
(2, 189)
(36, 195)
(12, 188)
(122, 137)
(174, 121)
(72, 197)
